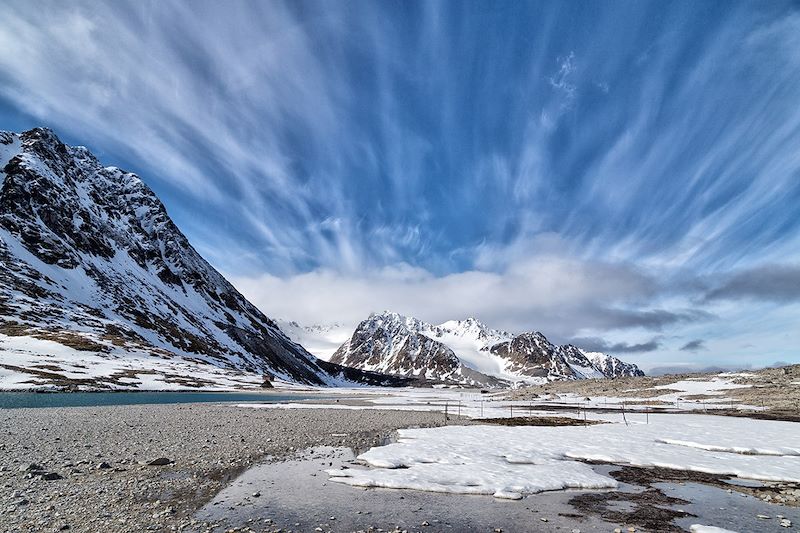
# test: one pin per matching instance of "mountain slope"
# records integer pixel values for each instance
(402, 345)
(89, 259)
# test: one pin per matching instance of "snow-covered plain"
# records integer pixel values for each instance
(473, 404)
(508, 462)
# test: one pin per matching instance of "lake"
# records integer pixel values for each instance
(15, 400)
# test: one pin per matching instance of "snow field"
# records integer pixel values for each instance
(508, 462)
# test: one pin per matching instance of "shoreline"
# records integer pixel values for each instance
(101, 456)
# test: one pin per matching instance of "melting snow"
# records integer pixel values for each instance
(508, 462)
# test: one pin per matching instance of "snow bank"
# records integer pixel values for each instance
(511, 461)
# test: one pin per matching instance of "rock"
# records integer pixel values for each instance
(785, 522)
(256, 494)
(104, 466)
(50, 476)
(32, 467)
(161, 461)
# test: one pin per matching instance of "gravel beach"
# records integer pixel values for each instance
(86, 468)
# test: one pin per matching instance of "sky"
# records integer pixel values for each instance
(621, 175)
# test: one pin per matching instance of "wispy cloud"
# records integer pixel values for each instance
(554, 294)
(694, 346)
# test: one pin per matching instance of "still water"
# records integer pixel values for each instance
(11, 400)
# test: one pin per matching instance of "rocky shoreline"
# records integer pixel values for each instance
(91, 468)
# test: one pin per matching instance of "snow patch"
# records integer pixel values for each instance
(520, 460)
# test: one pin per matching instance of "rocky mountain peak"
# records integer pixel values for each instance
(395, 344)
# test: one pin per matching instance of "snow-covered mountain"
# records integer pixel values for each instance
(322, 340)
(391, 343)
(98, 287)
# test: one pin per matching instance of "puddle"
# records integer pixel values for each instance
(730, 510)
(297, 495)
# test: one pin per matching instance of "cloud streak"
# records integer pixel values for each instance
(694, 346)
(595, 344)
(772, 283)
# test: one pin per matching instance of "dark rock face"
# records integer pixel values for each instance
(91, 251)
(531, 354)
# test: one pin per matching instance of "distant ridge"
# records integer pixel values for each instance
(469, 352)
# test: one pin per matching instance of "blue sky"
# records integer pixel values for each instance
(621, 174)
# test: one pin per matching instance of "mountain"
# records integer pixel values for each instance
(99, 288)
(394, 344)
(319, 339)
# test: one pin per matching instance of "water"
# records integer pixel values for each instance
(15, 400)
(730, 510)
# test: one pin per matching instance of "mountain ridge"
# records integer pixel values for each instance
(491, 353)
